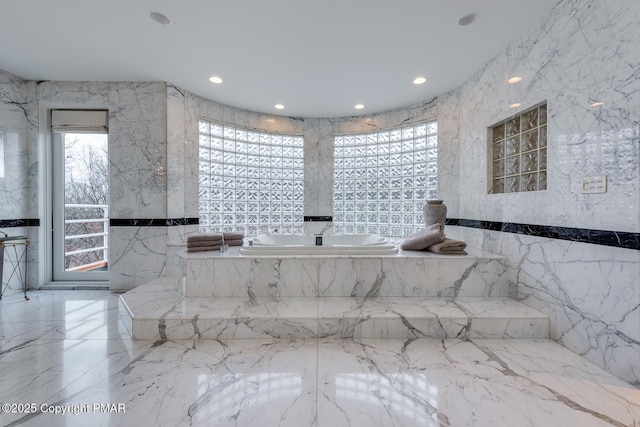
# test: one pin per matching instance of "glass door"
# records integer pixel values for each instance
(80, 206)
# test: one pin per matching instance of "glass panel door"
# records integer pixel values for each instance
(80, 207)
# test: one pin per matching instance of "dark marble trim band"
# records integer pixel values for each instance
(152, 222)
(619, 239)
(318, 218)
(10, 223)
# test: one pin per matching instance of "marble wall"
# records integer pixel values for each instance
(138, 182)
(137, 172)
(14, 125)
(13, 128)
(585, 52)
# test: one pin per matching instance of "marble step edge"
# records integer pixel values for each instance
(157, 311)
(160, 299)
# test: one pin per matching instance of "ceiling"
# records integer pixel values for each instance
(319, 58)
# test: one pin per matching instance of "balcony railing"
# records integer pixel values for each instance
(80, 243)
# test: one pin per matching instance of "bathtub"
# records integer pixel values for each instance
(292, 244)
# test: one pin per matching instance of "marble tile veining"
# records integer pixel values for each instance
(409, 273)
(590, 293)
(289, 382)
(456, 383)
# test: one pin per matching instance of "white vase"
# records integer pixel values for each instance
(435, 212)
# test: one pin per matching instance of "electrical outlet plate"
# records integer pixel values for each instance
(594, 184)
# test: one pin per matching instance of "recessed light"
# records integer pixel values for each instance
(515, 79)
(597, 104)
(419, 80)
(215, 79)
(358, 106)
(160, 18)
(467, 20)
(515, 105)
(279, 107)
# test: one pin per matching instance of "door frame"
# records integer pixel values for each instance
(46, 205)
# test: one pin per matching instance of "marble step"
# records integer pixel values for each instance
(158, 311)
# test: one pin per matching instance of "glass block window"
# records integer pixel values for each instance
(250, 181)
(520, 152)
(382, 179)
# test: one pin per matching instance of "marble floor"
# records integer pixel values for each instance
(67, 351)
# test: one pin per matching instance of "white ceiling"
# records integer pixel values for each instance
(317, 57)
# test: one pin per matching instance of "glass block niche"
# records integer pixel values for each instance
(382, 179)
(519, 147)
(250, 181)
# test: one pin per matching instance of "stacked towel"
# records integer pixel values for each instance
(213, 241)
(233, 239)
(449, 247)
(434, 240)
(424, 238)
(204, 242)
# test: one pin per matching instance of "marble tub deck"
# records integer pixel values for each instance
(158, 311)
(69, 348)
(411, 294)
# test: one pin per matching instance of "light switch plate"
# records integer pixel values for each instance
(594, 184)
